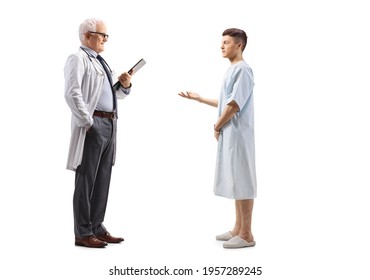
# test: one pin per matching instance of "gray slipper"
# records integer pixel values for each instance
(237, 242)
(224, 237)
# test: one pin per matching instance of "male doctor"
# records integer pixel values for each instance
(92, 100)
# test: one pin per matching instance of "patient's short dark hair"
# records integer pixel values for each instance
(239, 36)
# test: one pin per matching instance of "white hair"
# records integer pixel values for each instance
(88, 25)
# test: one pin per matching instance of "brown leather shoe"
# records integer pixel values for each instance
(90, 241)
(109, 238)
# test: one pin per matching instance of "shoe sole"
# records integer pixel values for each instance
(238, 246)
(84, 245)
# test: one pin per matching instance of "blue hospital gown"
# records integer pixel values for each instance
(235, 176)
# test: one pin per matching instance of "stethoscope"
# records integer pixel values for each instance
(89, 55)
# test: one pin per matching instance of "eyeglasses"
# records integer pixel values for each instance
(105, 36)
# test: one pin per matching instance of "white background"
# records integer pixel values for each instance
(311, 65)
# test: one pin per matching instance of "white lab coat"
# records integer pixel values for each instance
(235, 176)
(84, 77)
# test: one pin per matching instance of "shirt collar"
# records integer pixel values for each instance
(89, 51)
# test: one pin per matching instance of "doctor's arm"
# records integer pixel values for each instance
(73, 75)
(125, 85)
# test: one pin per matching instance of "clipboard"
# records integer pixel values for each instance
(137, 67)
(132, 71)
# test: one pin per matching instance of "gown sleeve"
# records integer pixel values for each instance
(241, 85)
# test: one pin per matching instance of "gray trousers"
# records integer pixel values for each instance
(93, 178)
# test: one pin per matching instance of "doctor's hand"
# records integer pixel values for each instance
(190, 95)
(125, 80)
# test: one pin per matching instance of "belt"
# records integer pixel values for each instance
(107, 115)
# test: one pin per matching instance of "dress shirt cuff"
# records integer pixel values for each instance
(126, 90)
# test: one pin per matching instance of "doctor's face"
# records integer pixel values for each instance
(96, 40)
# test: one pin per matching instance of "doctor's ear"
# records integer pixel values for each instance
(87, 35)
